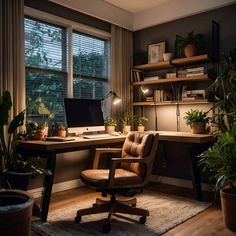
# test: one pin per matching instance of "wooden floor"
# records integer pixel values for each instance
(207, 223)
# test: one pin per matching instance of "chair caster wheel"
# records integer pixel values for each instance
(142, 220)
(78, 219)
(106, 228)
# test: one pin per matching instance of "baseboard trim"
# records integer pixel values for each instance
(75, 183)
(154, 178)
(178, 182)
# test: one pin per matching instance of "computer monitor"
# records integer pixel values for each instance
(83, 115)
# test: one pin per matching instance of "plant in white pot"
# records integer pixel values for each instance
(15, 169)
(126, 121)
(197, 120)
(110, 124)
(220, 160)
(141, 120)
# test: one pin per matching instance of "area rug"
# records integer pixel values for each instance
(166, 212)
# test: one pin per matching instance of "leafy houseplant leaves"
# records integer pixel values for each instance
(16, 122)
(5, 106)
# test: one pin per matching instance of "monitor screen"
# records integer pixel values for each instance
(83, 115)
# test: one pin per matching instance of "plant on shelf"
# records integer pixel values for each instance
(126, 120)
(224, 91)
(220, 159)
(13, 165)
(197, 119)
(190, 44)
(110, 124)
(140, 121)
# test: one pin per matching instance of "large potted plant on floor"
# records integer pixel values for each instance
(220, 159)
(16, 171)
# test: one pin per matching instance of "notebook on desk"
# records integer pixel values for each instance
(59, 139)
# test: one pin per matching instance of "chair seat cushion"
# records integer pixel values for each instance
(98, 178)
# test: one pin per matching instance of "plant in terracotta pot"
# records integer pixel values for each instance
(190, 44)
(220, 160)
(15, 169)
(110, 124)
(197, 119)
(61, 130)
(126, 121)
(140, 121)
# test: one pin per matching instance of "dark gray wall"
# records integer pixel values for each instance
(200, 23)
(178, 155)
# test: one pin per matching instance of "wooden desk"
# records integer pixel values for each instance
(49, 149)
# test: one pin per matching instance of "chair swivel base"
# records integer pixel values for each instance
(113, 207)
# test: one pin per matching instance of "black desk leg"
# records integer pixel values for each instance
(48, 183)
(196, 176)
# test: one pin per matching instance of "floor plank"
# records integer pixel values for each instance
(207, 223)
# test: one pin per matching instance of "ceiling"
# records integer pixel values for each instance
(135, 6)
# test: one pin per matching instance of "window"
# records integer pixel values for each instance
(90, 66)
(46, 69)
(46, 61)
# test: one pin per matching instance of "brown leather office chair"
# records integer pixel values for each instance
(130, 172)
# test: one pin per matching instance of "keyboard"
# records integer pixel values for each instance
(96, 136)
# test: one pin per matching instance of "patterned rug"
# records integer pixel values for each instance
(166, 212)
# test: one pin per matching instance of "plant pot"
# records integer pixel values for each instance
(110, 129)
(15, 212)
(61, 133)
(127, 129)
(228, 204)
(141, 129)
(16, 180)
(198, 127)
(190, 50)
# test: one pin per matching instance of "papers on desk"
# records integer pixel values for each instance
(59, 139)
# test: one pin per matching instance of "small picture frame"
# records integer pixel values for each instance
(155, 52)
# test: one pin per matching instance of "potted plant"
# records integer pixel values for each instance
(220, 160)
(126, 121)
(223, 90)
(61, 130)
(110, 124)
(141, 120)
(190, 44)
(15, 169)
(197, 119)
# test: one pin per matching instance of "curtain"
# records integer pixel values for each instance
(121, 65)
(12, 73)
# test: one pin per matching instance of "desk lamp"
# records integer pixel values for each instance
(115, 98)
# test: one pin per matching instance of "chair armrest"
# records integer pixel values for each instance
(116, 161)
(99, 151)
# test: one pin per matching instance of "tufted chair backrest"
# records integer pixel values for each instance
(138, 145)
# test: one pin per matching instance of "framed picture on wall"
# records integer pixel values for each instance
(155, 52)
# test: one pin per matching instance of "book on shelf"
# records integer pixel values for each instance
(196, 69)
(194, 74)
(151, 78)
(160, 95)
(137, 75)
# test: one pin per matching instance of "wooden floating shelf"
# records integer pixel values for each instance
(189, 60)
(155, 66)
(165, 103)
(172, 63)
(173, 80)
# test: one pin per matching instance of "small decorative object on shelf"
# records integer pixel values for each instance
(155, 52)
(167, 56)
(61, 130)
(190, 44)
(197, 119)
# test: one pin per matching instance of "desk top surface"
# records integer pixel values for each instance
(82, 143)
